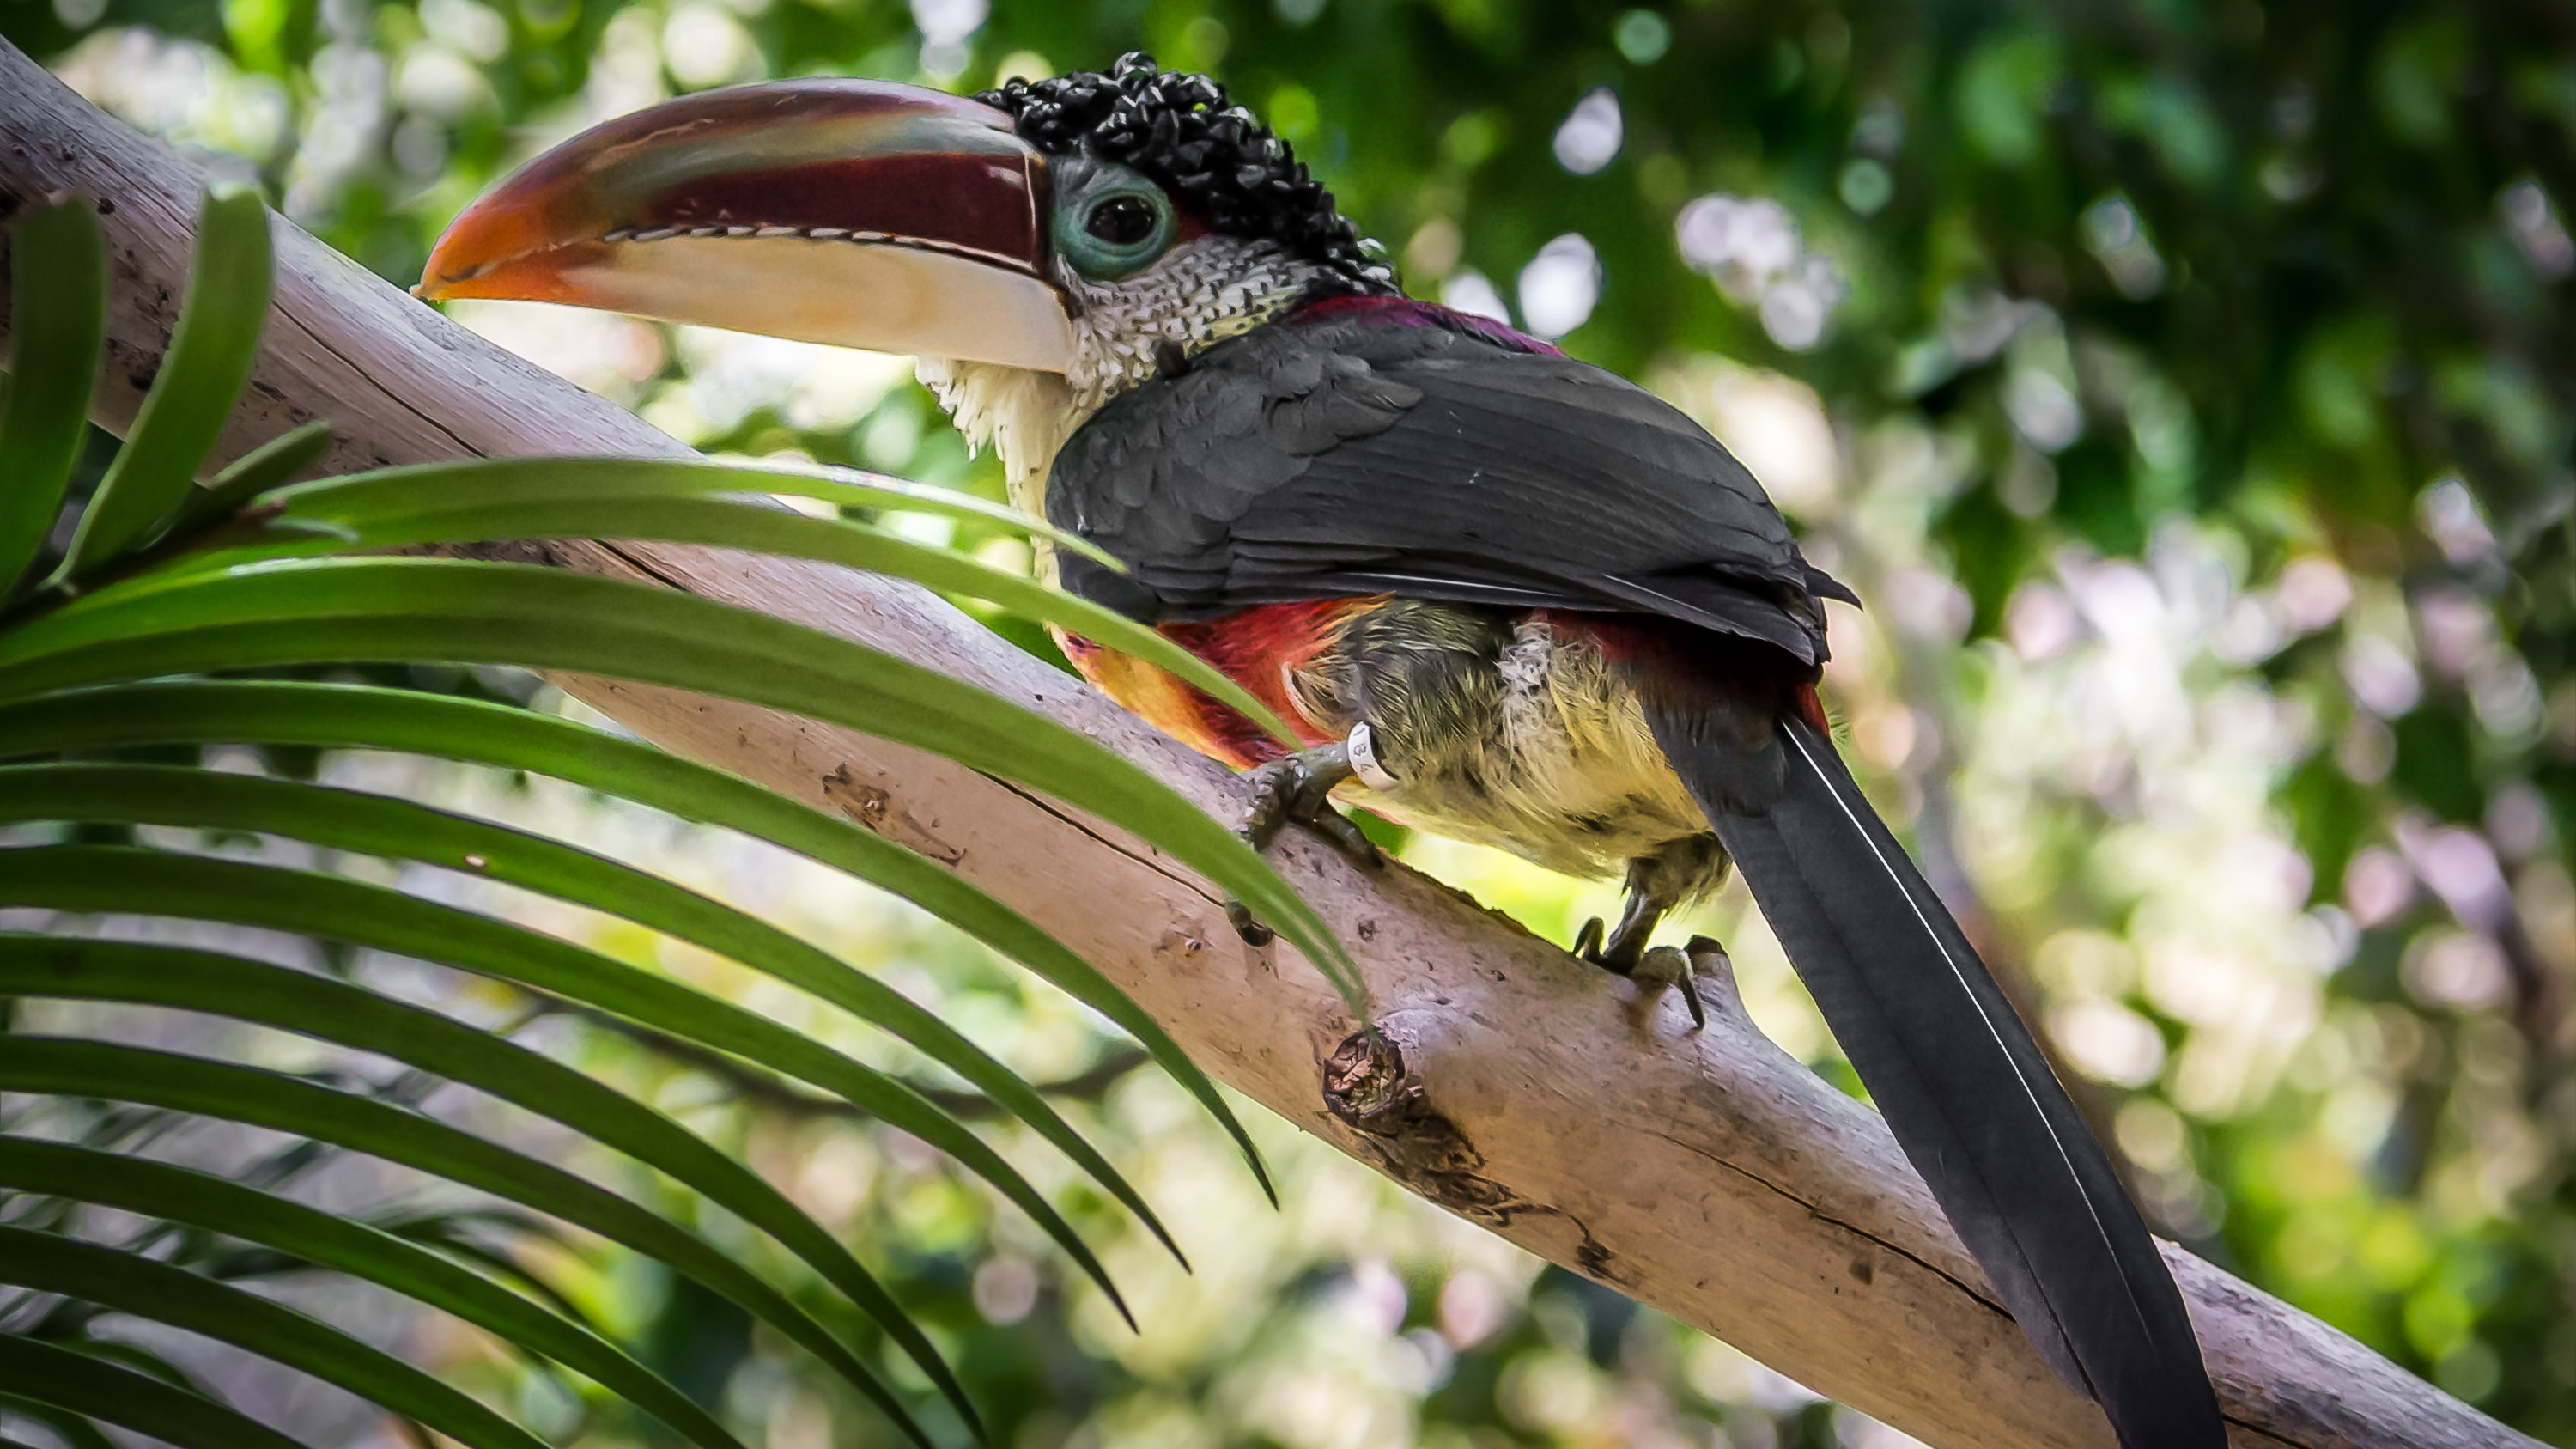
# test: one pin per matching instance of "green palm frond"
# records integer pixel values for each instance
(58, 308)
(220, 1205)
(115, 649)
(209, 362)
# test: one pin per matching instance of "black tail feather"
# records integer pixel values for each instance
(1966, 1091)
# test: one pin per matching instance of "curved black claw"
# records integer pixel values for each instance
(1344, 834)
(1623, 948)
(1669, 966)
(1587, 942)
(1299, 788)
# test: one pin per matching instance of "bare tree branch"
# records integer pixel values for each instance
(1709, 1174)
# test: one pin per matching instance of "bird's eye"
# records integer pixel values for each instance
(1121, 221)
(1110, 222)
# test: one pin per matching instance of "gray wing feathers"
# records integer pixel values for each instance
(1316, 460)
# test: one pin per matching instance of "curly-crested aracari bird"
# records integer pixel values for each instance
(1506, 595)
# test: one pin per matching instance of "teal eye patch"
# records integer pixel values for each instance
(1110, 222)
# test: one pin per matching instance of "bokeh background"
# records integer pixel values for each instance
(2189, 388)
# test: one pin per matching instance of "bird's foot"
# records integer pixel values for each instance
(1652, 968)
(1622, 949)
(1299, 789)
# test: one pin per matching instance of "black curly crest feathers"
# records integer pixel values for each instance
(1216, 159)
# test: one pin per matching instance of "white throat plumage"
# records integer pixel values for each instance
(1199, 294)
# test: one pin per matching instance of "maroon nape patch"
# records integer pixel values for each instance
(1406, 312)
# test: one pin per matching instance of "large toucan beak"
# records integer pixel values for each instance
(857, 213)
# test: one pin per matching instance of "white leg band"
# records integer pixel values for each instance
(1364, 761)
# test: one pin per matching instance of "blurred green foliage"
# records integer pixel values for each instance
(2190, 388)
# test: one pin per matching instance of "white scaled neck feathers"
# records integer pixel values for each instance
(1201, 293)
